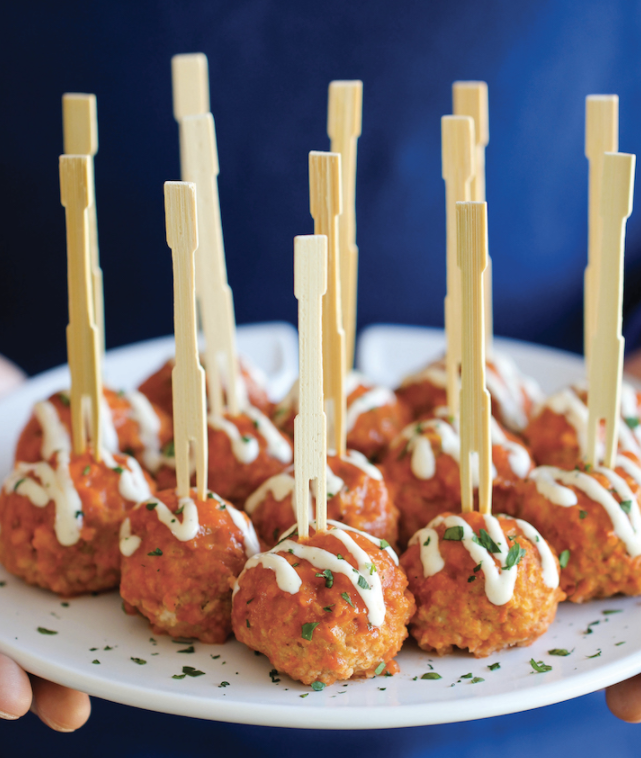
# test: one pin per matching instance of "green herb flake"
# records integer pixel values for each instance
(431, 675)
(248, 624)
(151, 506)
(153, 641)
(362, 583)
(328, 608)
(189, 649)
(471, 578)
(64, 399)
(64, 605)
(539, 666)
(617, 644)
(191, 671)
(246, 438)
(582, 514)
(514, 556)
(632, 422)
(372, 568)
(169, 450)
(179, 676)
(42, 630)
(626, 506)
(273, 675)
(86, 470)
(318, 686)
(179, 510)
(596, 655)
(347, 599)
(477, 680)
(79, 514)
(157, 551)
(485, 541)
(256, 424)
(560, 651)
(467, 676)
(308, 630)
(494, 666)
(305, 695)
(453, 533)
(478, 567)
(340, 557)
(327, 576)
(222, 507)
(107, 647)
(95, 660)
(588, 468)
(564, 558)
(380, 668)
(118, 469)
(139, 661)
(384, 544)
(92, 649)
(295, 565)
(610, 612)
(427, 542)
(216, 657)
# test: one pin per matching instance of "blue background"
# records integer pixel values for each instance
(270, 64)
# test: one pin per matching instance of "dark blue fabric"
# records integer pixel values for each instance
(270, 64)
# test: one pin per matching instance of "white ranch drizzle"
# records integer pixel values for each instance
(369, 401)
(109, 439)
(132, 484)
(357, 459)
(245, 448)
(549, 571)
(129, 542)
(568, 404)
(630, 468)
(499, 584)
(509, 390)
(279, 486)
(371, 592)
(340, 525)
(627, 529)
(55, 436)
(517, 455)
(242, 522)
(277, 445)
(143, 413)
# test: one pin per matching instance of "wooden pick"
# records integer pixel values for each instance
(310, 425)
(325, 206)
(601, 136)
(83, 344)
(344, 119)
(475, 413)
(190, 84)
(470, 99)
(215, 298)
(457, 140)
(188, 377)
(606, 368)
(80, 137)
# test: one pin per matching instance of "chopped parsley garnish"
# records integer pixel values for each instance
(308, 630)
(157, 551)
(275, 534)
(305, 695)
(478, 567)
(95, 660)
(224, 684)
(494, 666)
(539, 666)
(64, 399)
(151, 506)
(180, 510)
(246, 438)
(431, 675)
(248, 624)
(42, 630)
(515, 553)
(453, 533)
(582, 514)
(560, 651)
(107, 647)
(294, 565)
(564, 558)
(467, 676)
(273, 675)
(191, 671)
(632, 422)
(372, 568)
(619, 643)
(609, 613)
(588, 468)
(216, 657)
(471, 578)
(222, 507)
(169, 450)
(328, 608)
(256, 425)
(596, 655)
(626, 506)
(380, 668)
(340, 557)
(189, 649)
(153, 641)
(485, 541)
(384, 544)
(78, 514)
(139, 661)
(86, 470)
(318, 686)
(477, 679)
(427, 542)
(362, 583)
(18, 483)
(327, 576)
(178, 676)
(118, 469)
(92, 649)
(347, 598)
(64, 604)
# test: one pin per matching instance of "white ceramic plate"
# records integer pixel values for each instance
(136, 668)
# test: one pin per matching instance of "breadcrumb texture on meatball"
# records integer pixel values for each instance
(454, 612)
(184, 588)
(553, 440)
(343, 644)
(30, 549)
(420, 500)
(363, 502)
(599, 565)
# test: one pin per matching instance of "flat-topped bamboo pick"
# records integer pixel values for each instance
(325, 206)
(188, 376)
(344, 120)
(199, 164)
(310, 425)
(606, 367)
(83, 343)
(470, 99)
(80, 137)
(457, 155)
(601, 136)
(475, 410)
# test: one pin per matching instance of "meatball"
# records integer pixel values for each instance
(244, 451)
(328, 608)
(180, 558)
(422, 471)
(131, 424)
(515, 397)
(592, 520)
(158, 387)
(374, 415)
(558, 433)
(59, 520)
(481, 584)
(359, 498)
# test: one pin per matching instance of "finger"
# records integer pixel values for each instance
(624, 700)
(10, 376)
(58, 707)
(633, 364)
(15, 690)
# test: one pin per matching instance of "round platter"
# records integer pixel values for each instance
(90, 644)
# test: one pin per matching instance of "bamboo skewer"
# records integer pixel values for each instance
(457, 136)
(80, 137)
(188, 376)
(83, 345)
(344, 119)
(310, 425)
(606, 367)
(470, 99)
(475, 411)
(601, 136)
(325, 206)
(199, 164)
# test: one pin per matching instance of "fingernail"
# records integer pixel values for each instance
(8, 716)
